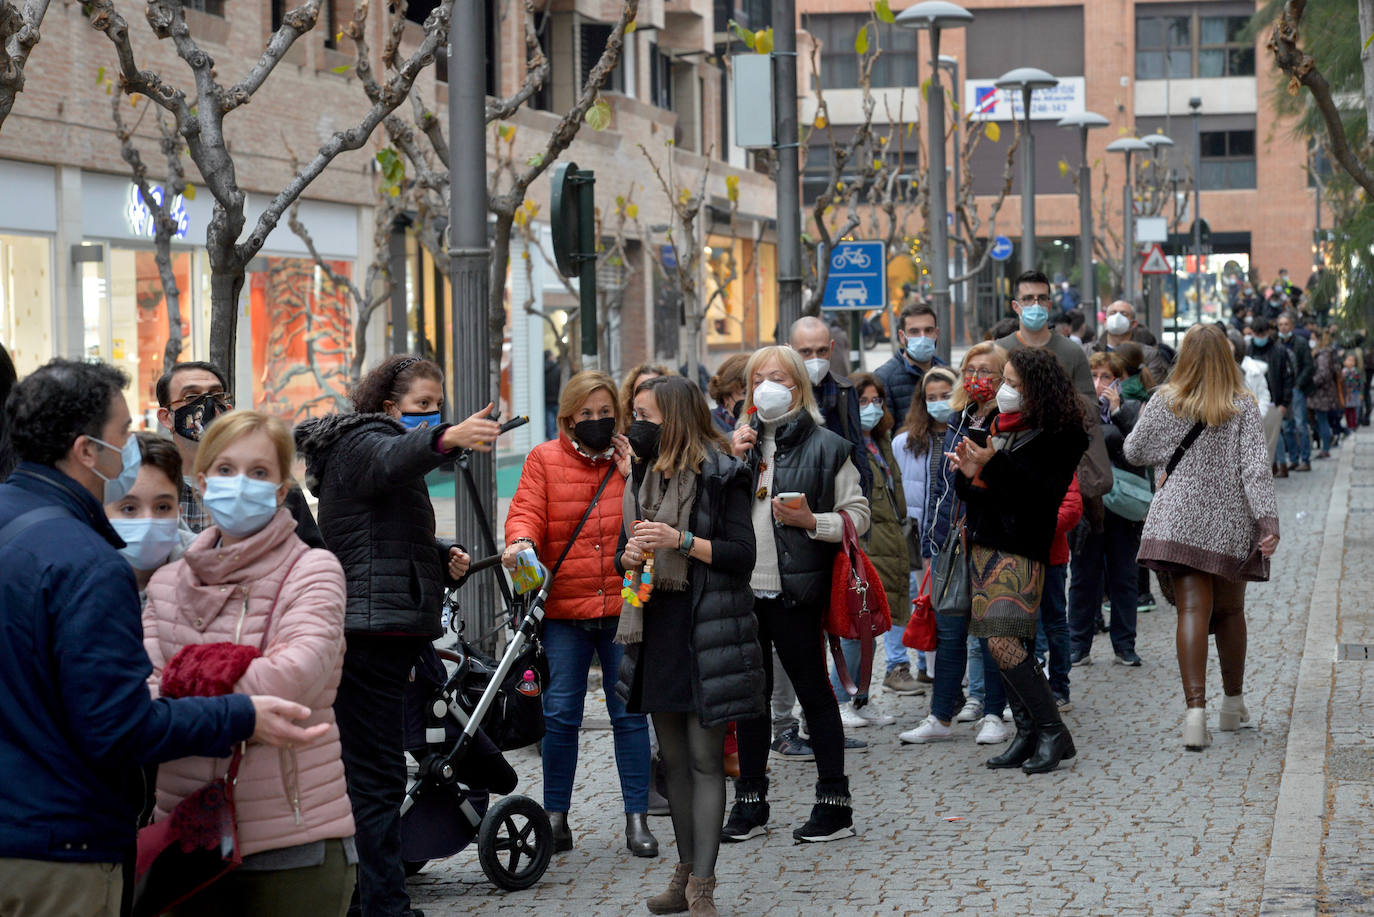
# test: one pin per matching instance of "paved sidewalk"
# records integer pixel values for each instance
(1136, 826)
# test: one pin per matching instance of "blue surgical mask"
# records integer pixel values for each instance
(148, 542)
(1259, 340)
(938, 410)
(1034, 317)
(870, 415)
(920, 349)
(118, 487)
(420, 421)
(240, 505)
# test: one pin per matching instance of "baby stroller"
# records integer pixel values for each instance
(462, 710)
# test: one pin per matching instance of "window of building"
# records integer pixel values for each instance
(26, 319)
(1181, 44)
(542, 100)
(660, 78)
(1227, 160)
(213, 7)
(816, 170)
(594, 37)
(839, 62)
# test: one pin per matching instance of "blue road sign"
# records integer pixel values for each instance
(1001, 248)
(669, 256)
(858, 276)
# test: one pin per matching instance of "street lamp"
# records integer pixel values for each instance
(1085, 121)
(1195, 103)
(951, 64)
(1127, 145)
(936, 15)
(1027, 79)
(1155, 320)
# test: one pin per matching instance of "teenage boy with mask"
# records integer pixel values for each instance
(1032, 306)
(191, 395)
(1295, 445)
(901, 376)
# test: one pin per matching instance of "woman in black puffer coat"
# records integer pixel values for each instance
(693, 659)
(368, 470)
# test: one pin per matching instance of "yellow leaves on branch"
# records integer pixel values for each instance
(1063, 168)
(993, 131)
(732, 188)
(883, 10)
(526, 213)
(598, 117)
(820, 121)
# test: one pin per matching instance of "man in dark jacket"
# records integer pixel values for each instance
(839, 403)
(1295, 449)
(901, 376)
(189, 397)
(1280, 376)
(78, 720)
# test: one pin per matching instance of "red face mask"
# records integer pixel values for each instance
(979, 389)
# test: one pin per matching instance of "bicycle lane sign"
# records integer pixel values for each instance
(858, 276)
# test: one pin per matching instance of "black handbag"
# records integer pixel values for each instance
(951, 591)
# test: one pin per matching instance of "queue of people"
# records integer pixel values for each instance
(691, 553)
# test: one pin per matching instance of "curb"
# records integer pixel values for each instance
(1295, 849)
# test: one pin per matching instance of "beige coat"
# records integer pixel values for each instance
(285, 797)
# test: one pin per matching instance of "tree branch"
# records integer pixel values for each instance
(536, 73)
(294, 24)
(18, 35)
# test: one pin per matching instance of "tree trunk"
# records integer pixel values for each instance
(172, 293)
(226, 285)
(496, 296)
(1367, 64)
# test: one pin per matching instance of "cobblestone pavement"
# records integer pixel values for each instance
(1136, 826)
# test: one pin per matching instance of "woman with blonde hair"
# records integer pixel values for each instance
(1213, 523)
(567, 509)
(249, 580)
(804, 480)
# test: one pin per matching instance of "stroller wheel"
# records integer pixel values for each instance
(515, 843)
(413, 867)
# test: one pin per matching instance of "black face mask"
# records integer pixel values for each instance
(190, 420)
(643, 436)
(738, 408)
(595, 434)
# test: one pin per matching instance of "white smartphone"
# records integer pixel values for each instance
(792, 499)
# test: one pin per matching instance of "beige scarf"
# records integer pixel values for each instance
(660, 499)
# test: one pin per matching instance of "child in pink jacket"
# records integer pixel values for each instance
(249, 581)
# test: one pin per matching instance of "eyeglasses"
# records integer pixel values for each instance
(225, 399)
(1045, 300)
(981, 374)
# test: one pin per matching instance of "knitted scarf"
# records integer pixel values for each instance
(659, 499)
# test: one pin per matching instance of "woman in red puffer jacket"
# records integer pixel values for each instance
(559, 481)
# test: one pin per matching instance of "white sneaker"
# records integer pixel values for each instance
(972, 712)
(1006, 713)
(850, 718)
(993, 731)
(872, 715)
(929, 730)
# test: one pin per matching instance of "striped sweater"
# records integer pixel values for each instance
(1218, 503)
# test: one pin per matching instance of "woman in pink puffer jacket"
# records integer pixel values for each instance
(250, 580)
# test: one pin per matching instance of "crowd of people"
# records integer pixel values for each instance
(177, 615)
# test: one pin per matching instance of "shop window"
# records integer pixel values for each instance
(302, 330)
(126, 321)
(26, 300)
(840, 62)
(1227, 160)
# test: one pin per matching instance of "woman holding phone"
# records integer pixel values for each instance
(804, 478)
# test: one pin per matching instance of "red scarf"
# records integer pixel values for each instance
(1009, 423)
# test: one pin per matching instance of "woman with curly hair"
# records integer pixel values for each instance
(368, 469)
(629, 384)
(1013, 486)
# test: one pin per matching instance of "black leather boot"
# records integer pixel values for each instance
(562, 834)
(1022, 746)
(1053, 742)
(638, 837)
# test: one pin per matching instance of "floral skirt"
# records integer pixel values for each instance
(1006, 593)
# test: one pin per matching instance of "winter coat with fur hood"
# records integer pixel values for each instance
(273, 582)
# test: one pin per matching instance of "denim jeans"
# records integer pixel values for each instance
(570, 645)
(1296, 441)
(975, 670)
(1052, 630)
(1323, 419)
(1110, 555)
(951, 657)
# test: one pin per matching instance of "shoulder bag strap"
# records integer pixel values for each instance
(553, 574)
(1183, 447)
(19, 524)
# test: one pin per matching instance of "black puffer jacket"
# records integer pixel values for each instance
(369, 474)
(727, 663)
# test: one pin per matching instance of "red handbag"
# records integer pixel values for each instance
(920, 630)
(858, 608)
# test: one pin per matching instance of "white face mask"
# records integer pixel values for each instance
(772, 399)
(816, 369)
(1118, 323)
(1008, 399)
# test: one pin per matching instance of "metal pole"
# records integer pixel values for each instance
(1197, 207)
(470, 273)
(396, 256)
(958, 291)
(586, 278)
(938, 228)
(1088, 281)
(789, 175)
(1127, 239)
(1027, 189)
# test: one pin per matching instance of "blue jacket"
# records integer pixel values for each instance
(901, 381)
(942, 504)
(77, 720)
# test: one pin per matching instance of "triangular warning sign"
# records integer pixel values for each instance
(1155, 262)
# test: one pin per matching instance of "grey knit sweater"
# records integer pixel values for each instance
(1218, 503)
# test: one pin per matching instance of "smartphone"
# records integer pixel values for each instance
(978, 436)
(792, 499)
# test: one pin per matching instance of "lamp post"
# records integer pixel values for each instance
(1027, 80)
(1195, 103)
(1127, 146)
(1086, 121)
(789, 169)
(951, 64)
(936, 15)
(1154, 314)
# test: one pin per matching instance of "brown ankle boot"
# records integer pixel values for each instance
(700, 897)
(674, 900)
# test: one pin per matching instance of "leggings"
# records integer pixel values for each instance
(694, 761)
(1206, 601)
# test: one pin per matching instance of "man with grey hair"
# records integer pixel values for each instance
(1121, 326)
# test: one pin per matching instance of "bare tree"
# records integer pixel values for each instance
(18, 35)
(200, 120)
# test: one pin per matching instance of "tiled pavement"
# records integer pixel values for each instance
(1136, 826)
